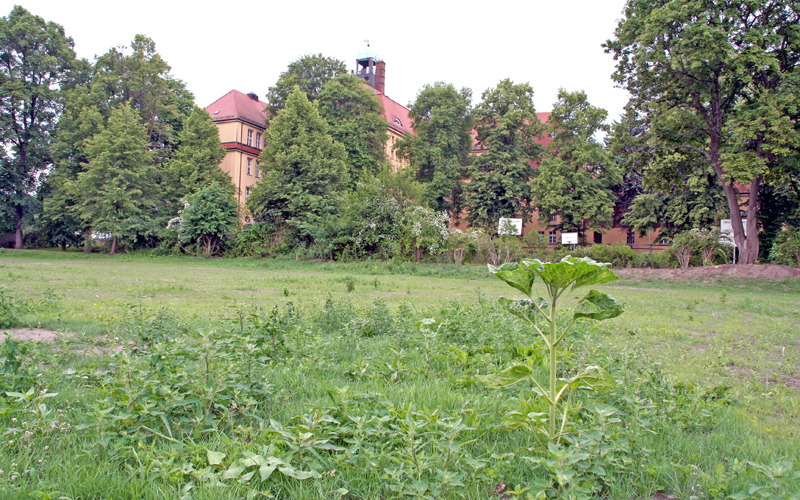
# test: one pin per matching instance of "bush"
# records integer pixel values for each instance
(257, 240)
(618, 255)
(786, 248)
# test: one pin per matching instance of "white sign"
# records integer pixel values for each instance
(569, 238)
(726, 230)
(509, 226)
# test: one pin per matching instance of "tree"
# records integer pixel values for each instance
(439, 150)
(140, 76)
(208, 218)
(708, 78)
(355, 119)
(137, 76)
(310, 73)
(195, 163)
(116, 190)
(575, 178)
(36, 62)
(507, 125)
(304, 170)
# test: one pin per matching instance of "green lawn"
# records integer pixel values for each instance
(324, 368)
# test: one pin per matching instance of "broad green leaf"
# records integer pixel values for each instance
(506, 377)
(524, 309)
(234, 471)
(599, 306)
(214, 457)
(517, 276)
(290, 471)
(594, 377)
(268, 467)
(572, 271)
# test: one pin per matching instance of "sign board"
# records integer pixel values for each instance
(569, 238)
(509, 226)
(726, 230)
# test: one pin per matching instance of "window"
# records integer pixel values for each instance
(246, 193)
(248, 166)
(631, 238)
(551, 238)
(554, 217)
(258, 171)
(258, 140)
(249, 137)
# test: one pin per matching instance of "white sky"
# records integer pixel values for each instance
(218, 46)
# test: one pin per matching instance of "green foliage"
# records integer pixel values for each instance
(195, 163)
(116, 192)
(787, 246)
(11, 309)
(256, 240)
(37, 62)
(355, 117)
(558, 278)
(575, 178)
(310, 73)
(208, 219)
(439, 149)
(305, 170)
(507, 126)
(714, 83)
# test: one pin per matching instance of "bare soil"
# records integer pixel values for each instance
(709, 273)
(39, 334)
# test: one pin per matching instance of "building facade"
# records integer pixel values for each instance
(241, 120)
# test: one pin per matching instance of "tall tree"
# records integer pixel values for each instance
(439, 149)
(696, 69)
(195, 162)
(576, 177)
(140, 75)
(36, 61)
(355, 117)
(116, 191)
(507, 125)
(304, 170)
(310, 73)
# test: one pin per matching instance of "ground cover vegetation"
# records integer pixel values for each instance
(228, 378)
(718, 118)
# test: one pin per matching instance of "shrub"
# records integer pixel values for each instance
(618, 255)
(786, 247)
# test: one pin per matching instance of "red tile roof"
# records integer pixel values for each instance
(396, 114)
(236, 105)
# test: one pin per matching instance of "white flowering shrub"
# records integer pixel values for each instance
(424, 231)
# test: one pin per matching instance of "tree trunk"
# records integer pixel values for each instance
(87, 240)
(113, 245)
(18, 226)
(63, 246)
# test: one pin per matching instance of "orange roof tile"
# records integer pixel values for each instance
(236, 105)
(396, 114)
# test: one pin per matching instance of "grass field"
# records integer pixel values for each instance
(188, 377)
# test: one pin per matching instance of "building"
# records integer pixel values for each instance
(241, 120)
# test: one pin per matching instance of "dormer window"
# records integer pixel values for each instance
(398, 122)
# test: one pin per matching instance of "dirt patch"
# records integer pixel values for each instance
(705, 273)
(37, 334)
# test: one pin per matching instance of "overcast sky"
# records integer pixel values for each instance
(218, 46)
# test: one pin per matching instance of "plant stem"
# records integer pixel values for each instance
(552, 346)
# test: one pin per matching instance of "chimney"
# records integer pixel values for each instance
(253, 96)
(380, 77)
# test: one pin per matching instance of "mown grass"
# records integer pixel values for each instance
(269, 343)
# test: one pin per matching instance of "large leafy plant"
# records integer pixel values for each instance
(541, 313)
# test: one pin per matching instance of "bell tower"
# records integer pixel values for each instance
(371, 69)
